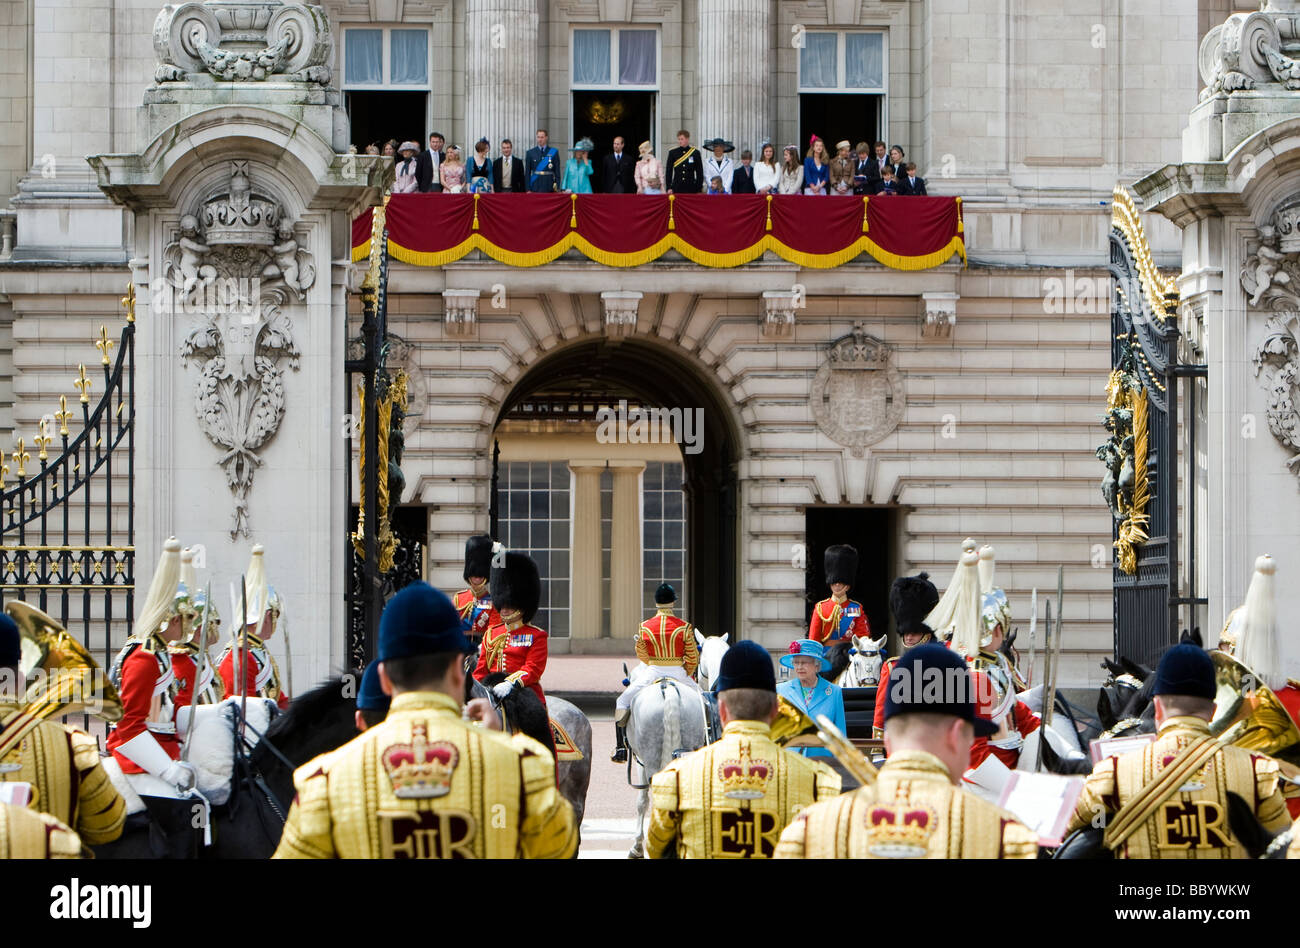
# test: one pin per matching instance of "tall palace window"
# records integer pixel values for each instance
(614, 82)
(534, 508)
(842, 78)
(663, 538)
(386, 83)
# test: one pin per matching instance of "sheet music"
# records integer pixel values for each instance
(1043, 802)
(16, 792)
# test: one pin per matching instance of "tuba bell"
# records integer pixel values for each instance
(1249, 709)
(69, 680)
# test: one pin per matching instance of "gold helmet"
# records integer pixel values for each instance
(941, 617)
(261, 594)
(994, 608)
(160, 604)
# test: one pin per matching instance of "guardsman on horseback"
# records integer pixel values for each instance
(144, 743)
(915, 808)
(263, 610)
(810, 693)
(731, 799)
(666, 647)
(839, 616)
(911, 599)
(424, 783)
(475, 603)
(1170, 799)
(30, 834)
(513, 645)
(60, 763)
(200, 628)
(996, 613)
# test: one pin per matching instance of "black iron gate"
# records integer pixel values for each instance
(1148, 596)
(67, 527)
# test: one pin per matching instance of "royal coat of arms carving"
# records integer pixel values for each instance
(857, 395)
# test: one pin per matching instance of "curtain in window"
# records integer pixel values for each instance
(864, 60)
(591, 57)
(636, 58)
(817, 61)
(409, 52)
(364, 53)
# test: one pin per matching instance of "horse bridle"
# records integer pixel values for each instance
(256, 777)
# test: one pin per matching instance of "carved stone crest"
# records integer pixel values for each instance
(243, 41)
(237, 264)
(857, 395)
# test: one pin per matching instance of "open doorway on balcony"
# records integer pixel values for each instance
(602, 116)
(378, 116)
(837, 116)
(870, 531)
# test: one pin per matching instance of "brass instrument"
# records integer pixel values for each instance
(848, 755)
(793, 728)
(1249, 709)
(71, 680)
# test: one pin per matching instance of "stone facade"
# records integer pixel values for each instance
(1032, 115)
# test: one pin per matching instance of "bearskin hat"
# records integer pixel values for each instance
(911, 599)
(665, 595)
(478, 556)
(841, 562)
(517, 585)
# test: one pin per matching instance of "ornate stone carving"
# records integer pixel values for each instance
(778, 316)
(1249, 51)
(620, 308)
(857, 395)
(459, 311)
(238, 269)
(939, 315)
(1277, 366)
(243, 40)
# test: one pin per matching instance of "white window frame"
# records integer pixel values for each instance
(386, 64)
(841, 57)
(614, 85)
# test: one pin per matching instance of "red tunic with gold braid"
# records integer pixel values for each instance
(1289, 695)
(478, 612)
(185, 668)
(253, 670)
(519, 650)
(664, 639)
(145, 689)
(831, 620)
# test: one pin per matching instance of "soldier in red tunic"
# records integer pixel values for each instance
(911, 599)
(514, 646)
(200, 628)
(261, 673)
(838, 616)
(666, 647)
(475, 603)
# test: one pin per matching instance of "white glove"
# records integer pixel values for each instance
(502, 689)
(146, 753)
(179, 774)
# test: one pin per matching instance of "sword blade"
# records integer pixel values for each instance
(1047, 671)
(1033, 631)
(199, 665)
(1049, 696)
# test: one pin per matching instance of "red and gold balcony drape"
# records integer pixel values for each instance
(627, 230)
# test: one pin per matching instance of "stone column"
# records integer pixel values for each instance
(501, 73)
(733, 73)
(625, 550)
(584, 605)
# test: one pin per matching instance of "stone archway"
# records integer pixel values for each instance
(656, 375)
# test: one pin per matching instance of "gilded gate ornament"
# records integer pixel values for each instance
(1126, 486)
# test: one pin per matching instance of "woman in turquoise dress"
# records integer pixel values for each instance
(577, 171)
(810, 693)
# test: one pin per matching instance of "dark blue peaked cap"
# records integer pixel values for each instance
(372, 697)
(747, 665)
(420, 620)
(1185, 670)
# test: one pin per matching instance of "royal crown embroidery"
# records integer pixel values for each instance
(894, 833)
(420, 770)
(743, 777)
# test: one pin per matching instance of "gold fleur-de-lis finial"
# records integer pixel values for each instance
(129, 302)
(4, 471)
(104, 344)
(21, 457)
(43, 441)
(83, 384)
(62, 415)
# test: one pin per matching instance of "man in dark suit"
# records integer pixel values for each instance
(910, 183)
(742, 181)
(508, 171)
(427, 165)
(540, 165)
(617, 170)
(685, 170)
(866, 173)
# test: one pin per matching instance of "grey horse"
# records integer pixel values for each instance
(667, 717)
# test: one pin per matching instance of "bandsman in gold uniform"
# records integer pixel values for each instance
(60, 762)
(29, 834)
(425, 783)
(1170, 799)
(731, 800)
(915, 809)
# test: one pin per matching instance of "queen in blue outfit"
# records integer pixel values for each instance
(810, 693)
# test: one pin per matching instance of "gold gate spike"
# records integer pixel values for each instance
(62, 415)
(129, 302)
(43, 441)
(21, 458)
(104, 344)
(83, 384)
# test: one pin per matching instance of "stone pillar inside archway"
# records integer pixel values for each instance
(242, 206)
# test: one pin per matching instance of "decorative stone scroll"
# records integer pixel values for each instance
(1249, 51)
(243, 41)
(858, 396)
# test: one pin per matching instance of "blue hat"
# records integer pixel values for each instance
(372, 697)
(934, 679)
(806, 647)
(746, 666)
(1185, 670)
(420, 620)
(11, 650)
